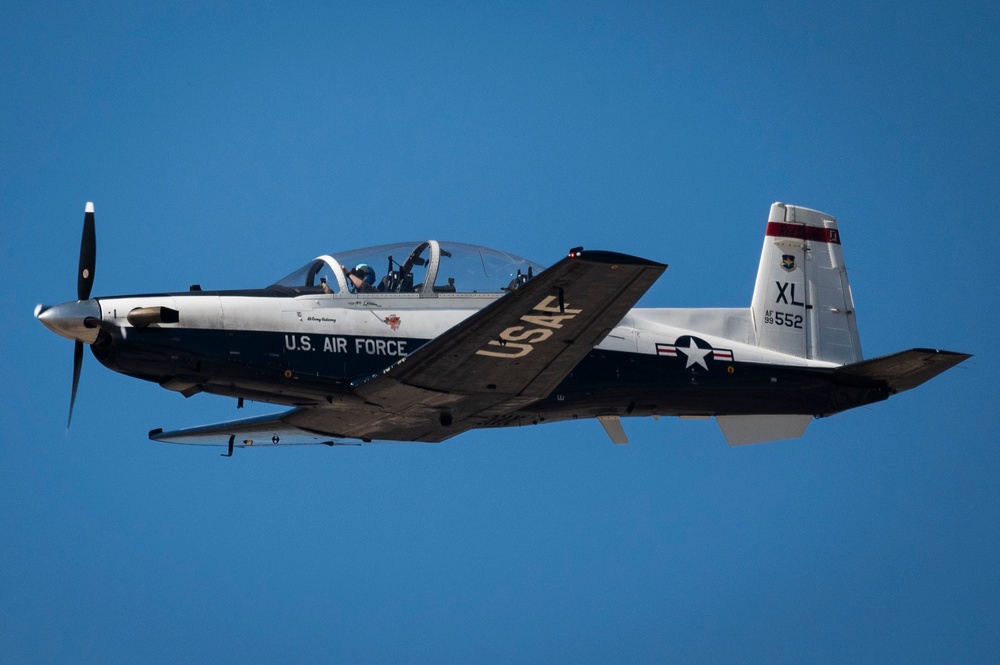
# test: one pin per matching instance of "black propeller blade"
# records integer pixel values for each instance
(77, 366)
(84, 283)
(88, 255)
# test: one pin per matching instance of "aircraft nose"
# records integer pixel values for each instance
(77, 320)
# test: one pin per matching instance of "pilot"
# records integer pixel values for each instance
(361, 279)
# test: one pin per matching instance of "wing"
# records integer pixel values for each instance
(477, 374)
(507, 355)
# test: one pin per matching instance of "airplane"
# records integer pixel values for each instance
(421, 341)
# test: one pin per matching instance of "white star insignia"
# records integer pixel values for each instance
(694, 354)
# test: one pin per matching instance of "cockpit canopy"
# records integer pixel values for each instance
(425, 268)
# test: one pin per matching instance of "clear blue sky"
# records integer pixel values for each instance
(226, 144)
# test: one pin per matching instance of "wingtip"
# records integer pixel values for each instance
(617, 258)
(90, 207)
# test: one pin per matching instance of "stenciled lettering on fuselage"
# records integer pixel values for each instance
(371, 346)
(518, 341)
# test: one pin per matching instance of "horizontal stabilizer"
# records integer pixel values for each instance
(743, 430)
(899, 371)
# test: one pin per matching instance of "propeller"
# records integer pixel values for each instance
(84, 284)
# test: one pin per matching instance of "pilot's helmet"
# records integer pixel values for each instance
(365, 272)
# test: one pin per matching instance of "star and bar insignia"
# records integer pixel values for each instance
(695, 350)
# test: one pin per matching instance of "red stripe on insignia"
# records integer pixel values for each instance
(722, 355)
(666, 350)
(801, 232)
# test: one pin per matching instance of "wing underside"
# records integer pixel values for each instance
(269, 430)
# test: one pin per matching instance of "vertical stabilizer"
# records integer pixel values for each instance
(802, 303)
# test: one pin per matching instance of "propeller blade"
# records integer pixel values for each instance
(84, 284)
(77, 366)
(88, 257)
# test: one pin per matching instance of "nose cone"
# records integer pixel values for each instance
(77, 320)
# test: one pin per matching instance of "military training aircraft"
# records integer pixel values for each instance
(422, 341)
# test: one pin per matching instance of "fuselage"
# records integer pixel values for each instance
(308, 349)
